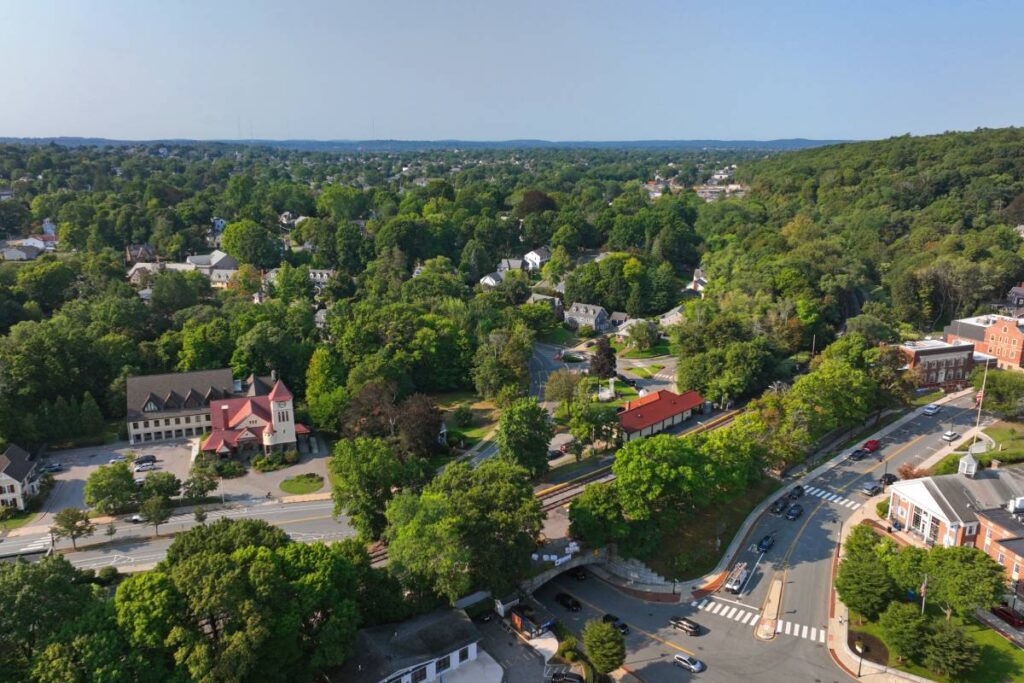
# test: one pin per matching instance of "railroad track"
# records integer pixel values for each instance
(559, 495)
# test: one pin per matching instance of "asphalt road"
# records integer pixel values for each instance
(801, 556)
(133, 544)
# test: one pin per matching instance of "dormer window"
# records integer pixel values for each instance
(150, 407)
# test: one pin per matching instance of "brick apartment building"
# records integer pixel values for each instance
(995, 335)
(938, 363)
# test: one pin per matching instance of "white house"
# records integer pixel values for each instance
(18, 252)
(18, 477)
(492, 279)
(439, 646)
(536, 259)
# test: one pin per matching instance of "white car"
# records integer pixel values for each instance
(145, 467)
(117, 458)
(931, 409)
(950, 436)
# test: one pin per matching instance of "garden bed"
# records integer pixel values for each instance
(303, 484)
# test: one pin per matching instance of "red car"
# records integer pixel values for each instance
(1008, 615)
(872, 445)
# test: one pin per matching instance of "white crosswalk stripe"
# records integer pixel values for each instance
(832, 497)
(740, 613)
(728, 613)
(811, 633)
(717, 606)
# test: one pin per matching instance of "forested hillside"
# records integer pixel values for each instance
(931, 219)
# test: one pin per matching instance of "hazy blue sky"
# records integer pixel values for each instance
(479, 69)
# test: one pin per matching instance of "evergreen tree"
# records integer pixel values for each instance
(91, 418)
(603, 363)
(949, 651)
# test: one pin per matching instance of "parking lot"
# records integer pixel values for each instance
(171, 456)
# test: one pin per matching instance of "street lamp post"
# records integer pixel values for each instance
(859, 647)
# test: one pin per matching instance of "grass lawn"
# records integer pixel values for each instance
(18, 520)
(561, 336)
(485, 417)
(623, 393)
(660, 349)
(1009, 436)
(303, 483)
(925, 399)
(697, 542)
(648, 371)
(998, 659)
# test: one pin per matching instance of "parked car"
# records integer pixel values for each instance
(52, 467)
(145, 467)
(950, 436)
(145, 458)
(794, 512)
(616, 622)
(779, 506)
(931, 409)
(766, 543)
(870, 489)
(1010, 616)
(568, 602)
(140, 481)
(566, 677)
(554, 455)
(117, 458)
(690, 663)
(796, 492)
(136, 519)
(565, 447)
(888, 479)
(872, 445)
(858, 454)
(687, 626)
(578, 573)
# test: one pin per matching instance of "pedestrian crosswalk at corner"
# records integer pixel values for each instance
(666, 375)
(832, 497)
(744, 615)
(788, 628)
(41, 543)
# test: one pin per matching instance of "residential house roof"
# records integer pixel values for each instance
(544, 299)
(618, 317)
(542, 253)
(140, 252)
(28, 250)
(510, 264)
(651, 409)
(382, 651)
(586, 310)
(16, 463)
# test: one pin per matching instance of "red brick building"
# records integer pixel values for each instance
(995, 335)
(938, 363)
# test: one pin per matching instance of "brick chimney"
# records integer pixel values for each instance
(224, 414)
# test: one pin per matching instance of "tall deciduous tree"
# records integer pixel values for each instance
(604, 646)
(524, 433)
(156, 510)
(862, 583)
(72, 523)
(904, 629)
(252, 243)
(111, 489)
(962, 579)
(367, 471)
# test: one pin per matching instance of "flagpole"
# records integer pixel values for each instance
(924, 590)
(977, 421)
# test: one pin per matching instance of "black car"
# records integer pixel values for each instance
(858, 454)
(687, 626)
(797, 492)
(766, 543)
(779, 506)
(888, 479)
(578, 573)
(554, 455)
(794, 511)
(616, 622)
(568, 602)
(566, 677)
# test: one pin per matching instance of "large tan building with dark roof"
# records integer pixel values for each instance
(177, 405)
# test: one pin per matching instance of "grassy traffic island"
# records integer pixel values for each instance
(303, 484)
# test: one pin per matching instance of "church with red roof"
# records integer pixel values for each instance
(255, 424)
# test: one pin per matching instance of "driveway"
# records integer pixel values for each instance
(521, 662)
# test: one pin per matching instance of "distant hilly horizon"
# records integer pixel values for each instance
(391, 145)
